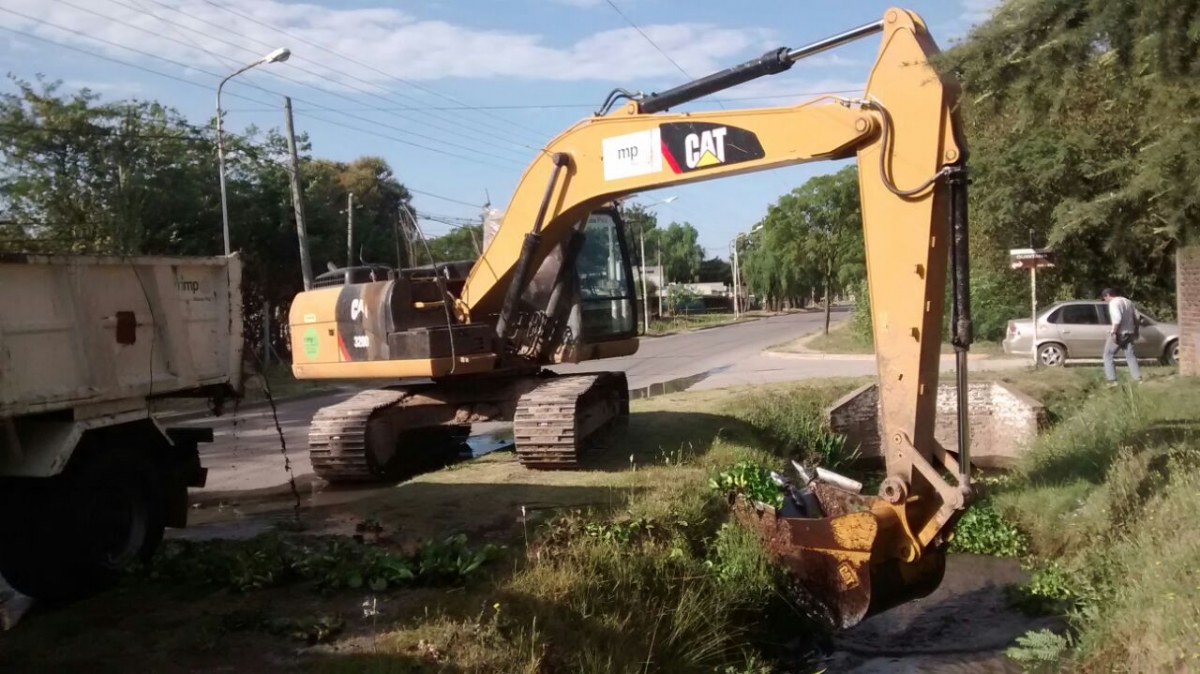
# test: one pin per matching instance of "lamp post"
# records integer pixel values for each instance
(737, 282)
(277, 56)
(642, 267)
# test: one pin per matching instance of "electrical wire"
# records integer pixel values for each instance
(307, 102)
(367, 65)
(590, 106)
(489, 138)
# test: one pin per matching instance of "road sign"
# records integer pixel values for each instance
(1031, 258)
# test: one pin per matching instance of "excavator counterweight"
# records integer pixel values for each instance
(471, 341)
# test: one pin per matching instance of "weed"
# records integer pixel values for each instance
(982, 530)
(1039, 651)
(330, 563)
(793, 421)
(751, 480)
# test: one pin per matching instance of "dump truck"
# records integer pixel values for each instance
(89, 478)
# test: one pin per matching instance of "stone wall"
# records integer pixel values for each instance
(1003, 421)
(1187, 284)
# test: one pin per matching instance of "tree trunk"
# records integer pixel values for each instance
(828, 302)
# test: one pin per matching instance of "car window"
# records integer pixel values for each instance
(1055, 317)
(1079, 314)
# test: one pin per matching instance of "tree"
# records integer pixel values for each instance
(1080, 116)
(811, 239)
(134, 177)
(715, 270)
(681, 251)
(639, 221)
(462, 243)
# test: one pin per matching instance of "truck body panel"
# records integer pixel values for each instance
(96, 335)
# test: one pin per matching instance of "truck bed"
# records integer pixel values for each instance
(78, 331)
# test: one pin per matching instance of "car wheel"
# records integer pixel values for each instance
(1052, 355)
(1171, 354)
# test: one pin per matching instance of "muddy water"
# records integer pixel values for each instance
(964, 626)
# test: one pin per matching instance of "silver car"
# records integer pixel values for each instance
(1077, 330)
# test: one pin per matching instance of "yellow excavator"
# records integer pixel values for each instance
(554, 285)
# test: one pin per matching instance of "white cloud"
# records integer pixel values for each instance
(393, 41)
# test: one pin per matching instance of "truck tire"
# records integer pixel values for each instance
(71, 536)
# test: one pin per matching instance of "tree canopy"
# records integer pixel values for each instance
(1080, 117)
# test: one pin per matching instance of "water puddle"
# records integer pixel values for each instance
(486, 443)
(674, 385)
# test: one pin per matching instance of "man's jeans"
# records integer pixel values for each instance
(1121, 341)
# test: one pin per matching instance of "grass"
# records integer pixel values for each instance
(689, 322)
(1106, 499)
(633, 564)
(842, 340)
(628, 566)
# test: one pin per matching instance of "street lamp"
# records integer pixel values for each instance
(642, 267)
(278, 56)
(736, 268)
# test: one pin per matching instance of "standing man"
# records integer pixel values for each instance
(1124, 333)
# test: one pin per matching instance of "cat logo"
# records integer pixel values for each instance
(705, 148)
(357, 308)
(693, 146)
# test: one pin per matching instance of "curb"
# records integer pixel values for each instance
(703, 328)
(817, 355)
(251, 406)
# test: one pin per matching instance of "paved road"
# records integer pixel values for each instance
(246, 453)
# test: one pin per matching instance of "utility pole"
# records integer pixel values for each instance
(737, 288)
(298, 198)
(645, 289)
(350, 230)
(662, 281)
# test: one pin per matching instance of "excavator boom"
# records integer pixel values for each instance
(905, 134)
(554, 285)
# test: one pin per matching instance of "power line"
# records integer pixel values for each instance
(363, 64)
(473, 160)
(559, 106)
(391, 111)
(652, 42)
(438, 196)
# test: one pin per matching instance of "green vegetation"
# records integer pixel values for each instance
(688, 322)
(328, 563)
(810, 243)
(1079, 116)
(1101, 499)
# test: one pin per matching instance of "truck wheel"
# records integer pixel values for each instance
(81, 529)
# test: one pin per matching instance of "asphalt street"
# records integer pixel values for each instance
(247, 453)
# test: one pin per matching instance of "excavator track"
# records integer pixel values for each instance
(337, 438)
(559, 420)
(359, 439)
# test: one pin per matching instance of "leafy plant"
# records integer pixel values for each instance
(330, 563)
(751, 480)
(1039, 651)
(982, 530)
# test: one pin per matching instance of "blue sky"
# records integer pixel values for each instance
(473, 86)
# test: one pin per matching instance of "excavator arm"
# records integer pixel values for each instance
(878, 550)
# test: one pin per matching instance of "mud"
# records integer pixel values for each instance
(963, 626)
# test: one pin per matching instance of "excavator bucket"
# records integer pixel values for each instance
(844, 564)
